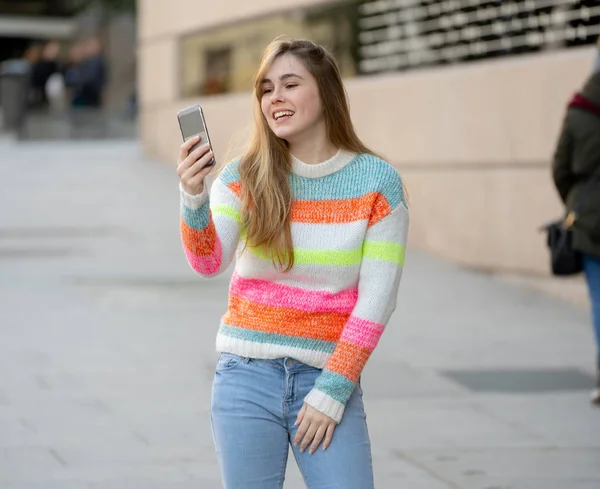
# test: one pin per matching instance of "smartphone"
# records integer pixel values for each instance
(192, 123)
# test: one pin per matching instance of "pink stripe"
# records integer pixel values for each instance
(205, 265)
(278, 295)
(362, 332)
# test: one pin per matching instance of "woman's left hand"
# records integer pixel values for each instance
(313, 426)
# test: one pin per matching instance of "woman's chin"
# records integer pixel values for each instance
(283, 133)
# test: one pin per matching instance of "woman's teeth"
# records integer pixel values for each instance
(283, 113)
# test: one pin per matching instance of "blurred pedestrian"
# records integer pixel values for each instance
(89, 91)
(33, 53)
(72, 72)
(320, 223)
(42, 69)
(31, 56)
(576, 173)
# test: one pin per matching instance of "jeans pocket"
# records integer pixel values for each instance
(228, 361)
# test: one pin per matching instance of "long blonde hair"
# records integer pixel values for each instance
(265, 167)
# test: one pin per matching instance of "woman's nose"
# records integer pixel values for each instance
(277, 96)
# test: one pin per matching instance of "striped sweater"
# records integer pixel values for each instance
(349, 228)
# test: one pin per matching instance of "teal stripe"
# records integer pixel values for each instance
(231, 173)
(228, 211)
(196, 219)
(276, 339)
(335, 385)
(364, 174)
(384, 251)
(341, 258)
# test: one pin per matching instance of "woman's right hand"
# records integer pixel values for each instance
(191, 167)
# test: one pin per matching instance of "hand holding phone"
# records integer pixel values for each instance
(196, 158)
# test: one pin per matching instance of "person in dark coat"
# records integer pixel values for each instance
(89, 90)
(41, 71)
(576, 159)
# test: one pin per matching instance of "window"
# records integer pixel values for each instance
(217, 70)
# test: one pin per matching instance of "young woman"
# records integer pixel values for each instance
(318, 225)
(576, 173)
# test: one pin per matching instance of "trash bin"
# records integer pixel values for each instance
(14, 87)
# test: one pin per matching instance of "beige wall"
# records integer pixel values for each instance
(473, 142)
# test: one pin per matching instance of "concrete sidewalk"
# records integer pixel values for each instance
(107, 349)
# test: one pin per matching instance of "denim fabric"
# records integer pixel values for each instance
(591, 266)
(253, 410)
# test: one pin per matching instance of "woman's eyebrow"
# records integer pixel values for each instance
(282, 77)
(290, 75)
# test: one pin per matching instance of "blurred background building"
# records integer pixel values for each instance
(465, 97)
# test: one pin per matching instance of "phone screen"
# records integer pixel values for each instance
(191, 124)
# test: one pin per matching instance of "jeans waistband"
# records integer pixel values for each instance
(284, 363)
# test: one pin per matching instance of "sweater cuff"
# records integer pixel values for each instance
(193, 202)
(325, 404)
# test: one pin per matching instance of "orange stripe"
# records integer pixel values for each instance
(325, 326)
(348, 360)
(200, 243)
(333, 211)
(338, 211)
(236, 188)
(380, 209)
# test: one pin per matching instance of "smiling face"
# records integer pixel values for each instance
(290, 100)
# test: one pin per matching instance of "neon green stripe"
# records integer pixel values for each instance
(319, 257)
(374, 250)
(227, 210)
(384, 251)
(328, 257)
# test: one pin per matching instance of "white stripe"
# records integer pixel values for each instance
(326, 404)
(378, 287)
(193, 202)
(393, 227)
(250, 349)
(220, 194)
(327, 278)
(346, 236)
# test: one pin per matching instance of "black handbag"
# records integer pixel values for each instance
(564, 260)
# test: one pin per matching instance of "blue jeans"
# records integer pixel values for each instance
(253, 410)
(591, 266)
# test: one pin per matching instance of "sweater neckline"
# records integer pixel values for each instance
(333, 164)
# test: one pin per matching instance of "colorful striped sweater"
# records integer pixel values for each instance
(349, 228)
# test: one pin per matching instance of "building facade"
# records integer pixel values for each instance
(465, 98)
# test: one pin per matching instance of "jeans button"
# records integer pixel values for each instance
(289, 362)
